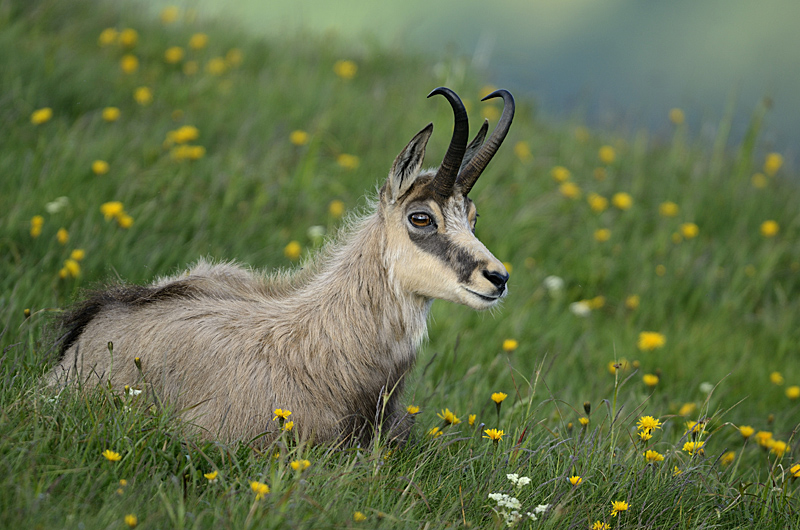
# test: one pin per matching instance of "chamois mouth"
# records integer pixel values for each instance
(490, 299)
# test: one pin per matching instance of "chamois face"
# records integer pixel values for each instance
(430, 221)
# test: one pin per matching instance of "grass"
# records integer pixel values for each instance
(724, 299)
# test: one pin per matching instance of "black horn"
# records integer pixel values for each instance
(445, 178)
(473, 170)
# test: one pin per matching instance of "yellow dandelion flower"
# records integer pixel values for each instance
(298, 137)
(111, 456)
(211, 477)
(62, 236)
(560, 173)
(300, 465)
(100, 167)
(772, 163)
(288, 426)
(292, 250)
(359, 517)
(523, 151)
(676, 471)
(632, 302)
(728, 458)
(668, 209)
(108, 37)
(449, 417)
(793, 392)
(795, 470)
(72, 267)
(607, 154)
(471, 419)
(185, 134)
(770, 228)
(694, 447)
(128, 37)
(110, 114)
(653, 456)
(661, 270)
(759, 180)
(648, 423)
(597, 202)
(346, 161)
(125, 221)
(78, 254)
(676, 116)
(259, 488)
(746, 431)
(570, 190)
(650, 340)
(509, 345)
(596, 303)
(764, 438)
(131, 520)
(143, 96)
(412, 409)
(776, 378)
(689, 230)
(336, 208)
(216, 66)
(686, 409)
(650, 380)
(779, 448)
(575, 480)
(280, 413)
(436, 431)
(37, 221)
(234, 57)
(618, 507)
(498, 397)
(600, 525)
(345, 69)
(40, 116)
(170, 14)
(509, 267)
(198, 41)
(645, 435)
(622, 200)
(129, 63)
(494, 435)
(583, 420)
(173, 55)
(602, 235)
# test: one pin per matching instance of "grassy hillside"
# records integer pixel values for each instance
(677, 274)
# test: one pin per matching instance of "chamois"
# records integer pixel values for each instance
(332, 342)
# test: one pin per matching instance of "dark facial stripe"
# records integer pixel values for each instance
(441, 246)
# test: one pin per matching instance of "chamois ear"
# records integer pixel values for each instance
(406, 166)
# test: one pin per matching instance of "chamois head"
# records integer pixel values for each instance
(431, 220)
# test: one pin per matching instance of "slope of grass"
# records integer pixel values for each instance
(721, 295)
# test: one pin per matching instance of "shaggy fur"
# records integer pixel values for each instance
(332, 343)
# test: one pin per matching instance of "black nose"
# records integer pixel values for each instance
(498, 280)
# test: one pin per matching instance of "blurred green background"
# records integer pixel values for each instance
(619, 64)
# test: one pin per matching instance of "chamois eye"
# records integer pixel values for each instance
(420, 219)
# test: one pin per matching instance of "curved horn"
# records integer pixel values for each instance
(470, 174)
(445, 178)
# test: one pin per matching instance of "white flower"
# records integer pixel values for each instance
(316, 232)
(532, 516)
(57, 205)
(541, 508)
(496, 496)
(706, 387)
(513, 477)
(554, 285)
(580, 309)
(523, 481)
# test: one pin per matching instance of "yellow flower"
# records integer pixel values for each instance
(173, 55)
(412, 409)
(280, 413)
(602, 235)
(648, 423)
(359, 517)
(216, 66)
(650, 380)
(776, 378)
(498, 397)
(617, 507)
(510, 345)
(345, 69)
(523, 151)
(632, 302)
(198, 41)
(111, 455)
(645, 435)
(622, 200)
(795, 470)
(494, 435)
(211, 477)
(694, 447)
(131, 520)
(686, 409)
(129, 63)
(62, 236)
(336, 208)
(653, 456)
(143, 96)
(78, 254)
(668, 209)
(300, 465)
(111, 209)
(36, 225)
(689, 230)
(746, 431)
(100, 167)
(597, 203)
(779, 448)
(107, 37)
(347, 161)
(187, 152)
(128, 37)
(597, 302)
(184, 134)
(661, 270)
(234, 57)
(575, 480)
(190, 67)
(292, 250)
(793, 392)
(600, 525)
(170, 14)
(570, 190)
(41, 116)
(259, 488)
(560, 173)
(583, 420)
(471, 419)
(676, 116)
(288, 426)
(676, 471)
(72, 268)
(728, 458)
(758, 180)
(769, 228)
(298, 137)
(449, 417)
(772, 163)
(435, 432)
(111, 114)
(125, 221)
(650, 340)
(607, 154)
(764, 438)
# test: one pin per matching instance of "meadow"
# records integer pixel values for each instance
(642, 372)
